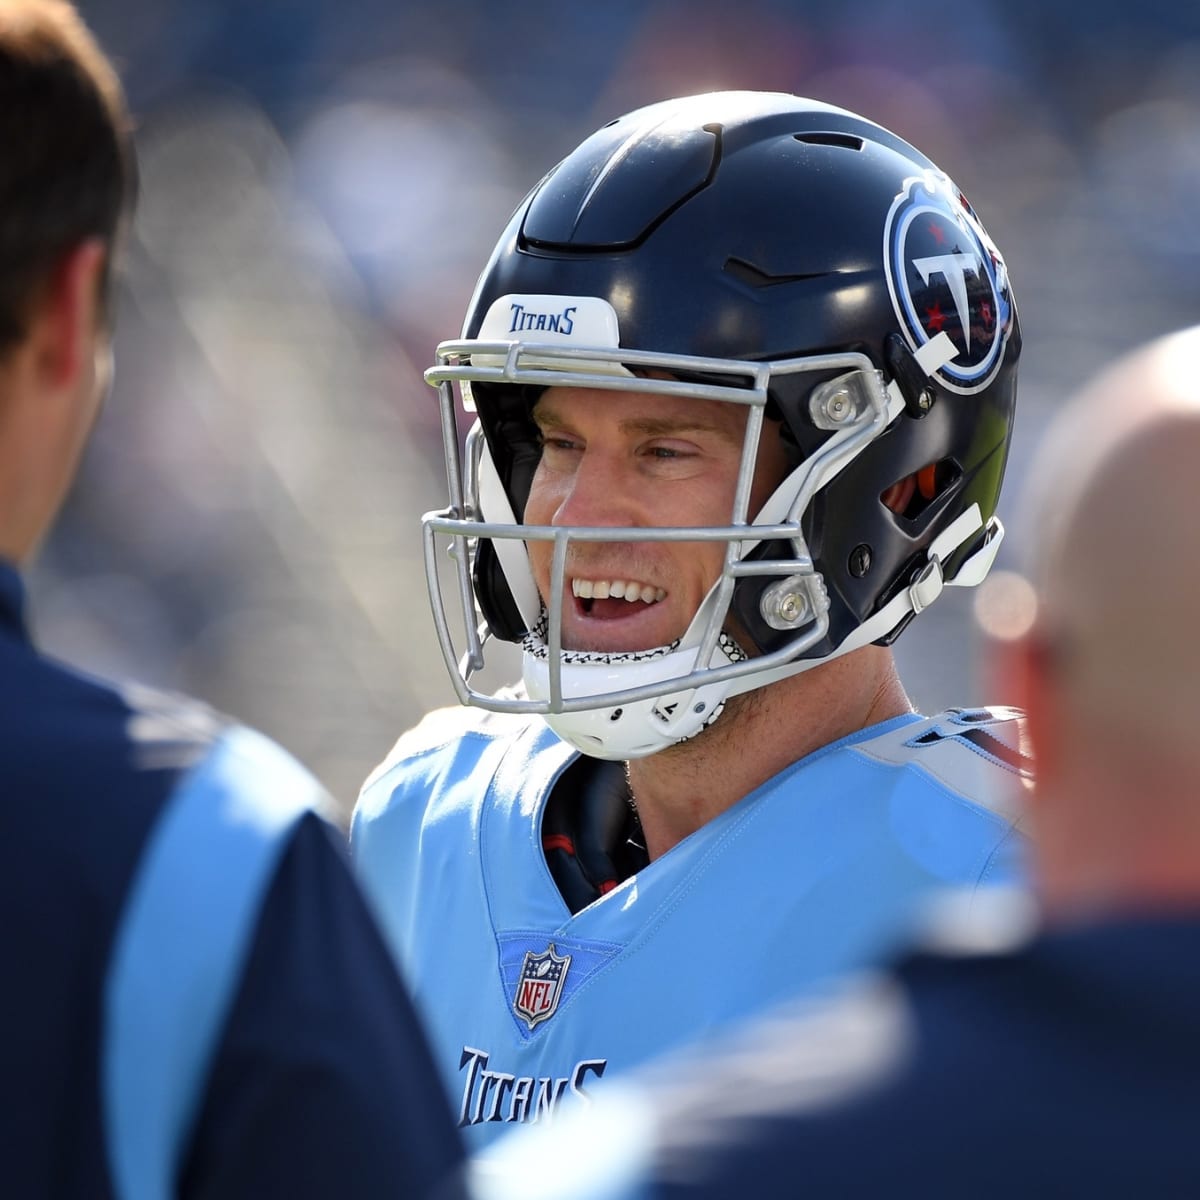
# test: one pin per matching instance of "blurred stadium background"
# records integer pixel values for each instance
(321, 183)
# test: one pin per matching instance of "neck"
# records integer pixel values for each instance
(758, 735)
(1118, 838)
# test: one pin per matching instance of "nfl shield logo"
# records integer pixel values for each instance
(540, 985)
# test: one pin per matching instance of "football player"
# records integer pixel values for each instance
(195, 1000)
(743, 368)
(1043, 1049)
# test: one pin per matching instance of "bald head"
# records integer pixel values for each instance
(1115, 519)
(1110, 674)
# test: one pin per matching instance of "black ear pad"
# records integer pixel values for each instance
(494, 596)
(513, 443)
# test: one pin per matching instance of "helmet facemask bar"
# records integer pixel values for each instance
(855, 408)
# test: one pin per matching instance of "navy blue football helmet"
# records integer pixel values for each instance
(778, 253)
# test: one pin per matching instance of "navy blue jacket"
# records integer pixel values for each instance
(194, 999)
(1069, 1066)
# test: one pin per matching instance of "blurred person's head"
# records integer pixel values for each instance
(66, 190)
(1110, 669)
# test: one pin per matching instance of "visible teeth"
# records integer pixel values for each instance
(617, 589)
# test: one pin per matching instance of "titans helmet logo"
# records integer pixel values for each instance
(945, 276)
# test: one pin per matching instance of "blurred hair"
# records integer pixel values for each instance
(67, 169)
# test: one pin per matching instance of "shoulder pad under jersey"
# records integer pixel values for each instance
(442, 726)
(981, 754)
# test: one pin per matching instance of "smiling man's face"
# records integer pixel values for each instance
(612, 458)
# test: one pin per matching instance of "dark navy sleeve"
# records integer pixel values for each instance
(322, 1084)
(197, 1002)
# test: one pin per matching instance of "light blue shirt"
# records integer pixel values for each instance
(820, 870)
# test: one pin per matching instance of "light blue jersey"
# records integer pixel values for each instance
(818, 871)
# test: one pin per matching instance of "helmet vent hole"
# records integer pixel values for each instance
(911, 496)
(847, 141)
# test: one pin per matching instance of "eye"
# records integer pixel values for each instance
(550, 441)
(668, 451)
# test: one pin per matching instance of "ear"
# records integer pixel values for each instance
(1023, 669)
(65, 324)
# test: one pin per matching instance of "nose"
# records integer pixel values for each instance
(598, 492)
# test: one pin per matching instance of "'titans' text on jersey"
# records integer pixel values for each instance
(818, 871)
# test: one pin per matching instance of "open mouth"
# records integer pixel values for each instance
(612, 598)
